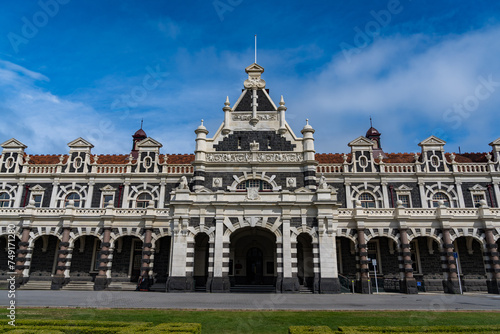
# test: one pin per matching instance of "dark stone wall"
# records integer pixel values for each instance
(81, 262)
(263, 102)
(348, 259)
(42, 262)
(161, 260)
(472, 264)
(121, 261)
(276, 142)
(8, 155)
(430, 264)
(97, 195)
(4, 256)
(416, 201)
(469, 203)
(389, 262)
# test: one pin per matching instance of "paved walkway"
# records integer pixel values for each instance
(235, 301)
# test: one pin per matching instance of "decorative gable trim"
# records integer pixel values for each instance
(432, 141)
(361, 141)
(13, 144)
(80, 144)
(148, 144)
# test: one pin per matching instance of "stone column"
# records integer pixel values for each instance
(329, 279)
(210, 250)
(178, 280)
(22, 252)
(363, 284)
(19, 194)
(289, 281)
(450, 285)
(59, 279)
(279, 265)
(220, 280)
(493, 281)
(101, 280)
(146, 261)
(407, 284)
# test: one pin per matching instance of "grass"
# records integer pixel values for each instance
(263, 322)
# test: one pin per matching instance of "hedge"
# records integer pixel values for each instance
(420, 329)
(97, 327)
(309, 329)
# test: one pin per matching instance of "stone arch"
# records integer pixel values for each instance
(160, 233)
(450, 191)
(39, 231)
(252, 221)
(374, 190)
(82, 231)
(349, 233)
(389, 232)
(135, 191)
(119, 232)
(430, 232)
(70, 188)
(473, 232)
(296, 231)
(194, 231)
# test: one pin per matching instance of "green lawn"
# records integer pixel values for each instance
(220, 322)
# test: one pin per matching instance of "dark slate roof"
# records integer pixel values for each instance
(264, 104)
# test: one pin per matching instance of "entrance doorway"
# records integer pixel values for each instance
(254, 266)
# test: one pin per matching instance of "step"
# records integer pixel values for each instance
(79, 286)
(253, 289)
(36, 285)
(158, 287)
(122, 286)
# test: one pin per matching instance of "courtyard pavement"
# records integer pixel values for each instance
(236, 301)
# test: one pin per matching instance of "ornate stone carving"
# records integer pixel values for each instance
(229, 157)
(280, 157)
(253, 194)
(248, 117)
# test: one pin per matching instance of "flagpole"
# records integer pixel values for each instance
(256, 49)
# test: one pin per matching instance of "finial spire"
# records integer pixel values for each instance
(142, 120)
(227, 101)
(371, 125)
(282, 101)
(202, 121)
(255, 49)
(307, 121)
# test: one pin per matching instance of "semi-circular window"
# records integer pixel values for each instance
(367, 200)
(254, 183)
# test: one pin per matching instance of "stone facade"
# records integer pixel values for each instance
(255, 206)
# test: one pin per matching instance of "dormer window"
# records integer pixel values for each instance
(77, 163)
(435, 161)
(9, 163)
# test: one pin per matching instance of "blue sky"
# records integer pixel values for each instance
(72, 69)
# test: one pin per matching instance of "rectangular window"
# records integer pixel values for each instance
(38, 200)
(405, 199)
(106, 199)
(477, 199)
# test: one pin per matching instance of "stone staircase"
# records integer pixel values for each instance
(36, 285)
(79, 286)
(253, 289)
(305, 289)
(122, 286)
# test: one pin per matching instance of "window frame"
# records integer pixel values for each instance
(140, 200)
(435, 202)
(363, 201)
(7, 200)
(77, 203)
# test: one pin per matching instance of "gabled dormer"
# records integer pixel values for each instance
(79, 156)
(495, 145)
(12, 156)
(362, 155)
(148, 155)
(433, 156)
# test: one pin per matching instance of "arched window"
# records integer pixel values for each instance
(440, 196)
(367, 200)
(254, 183)
(4, 200)
(142, 200)
(73, 196)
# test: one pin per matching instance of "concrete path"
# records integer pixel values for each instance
(234, 301)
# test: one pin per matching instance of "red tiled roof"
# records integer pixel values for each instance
(468, 157)
(331, 158)
(174, 159)
(399, 158)
(46, 159)
(116, 159)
